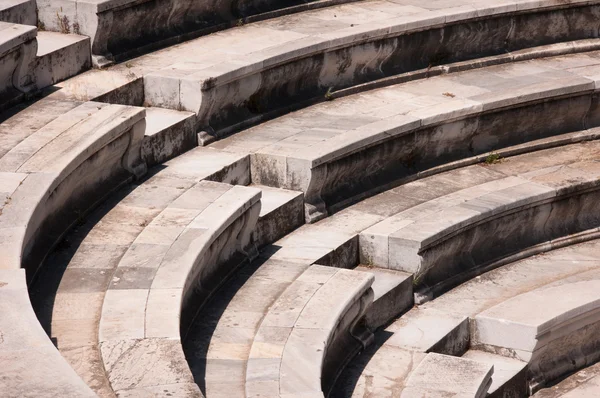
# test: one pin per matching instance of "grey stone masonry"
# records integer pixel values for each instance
(184, 251)
(18, 11)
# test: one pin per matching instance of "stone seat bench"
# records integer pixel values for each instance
(31, 365)
(240, 77)
(121, 28)
(553, 328)
(339, 152)
(54, 176)
(449, 239)
(220, 341)
(309, 333)
(189, 250)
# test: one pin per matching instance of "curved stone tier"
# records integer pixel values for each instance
(446, 240)
(188, 249)
(309, 333)
(122, 28)
(118, 252)
(239, 77)
(18, 46)
(32, 60)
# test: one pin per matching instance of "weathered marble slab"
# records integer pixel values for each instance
(121, 28)
(296, 58)
(18, 11)
(442, 325)
(534, 207)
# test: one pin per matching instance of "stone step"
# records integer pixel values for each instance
(510, 375)
(188, 250)
(221, 56)
(123, 247)
(339, 152)
(18, 11)
(424, 239)
(351, 32)
(60, 56)
(444, 375)
(64, 168)
(393, 295)
(318, 318)
(282, 211)
(219, 342)
(169, 133)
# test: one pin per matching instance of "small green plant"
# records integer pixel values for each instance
(329, 94)
(493, 158)
(240, 22)
(63, 23)
(129, 64)
(41, 26)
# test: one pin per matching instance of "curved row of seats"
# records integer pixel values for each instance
(31, 366)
